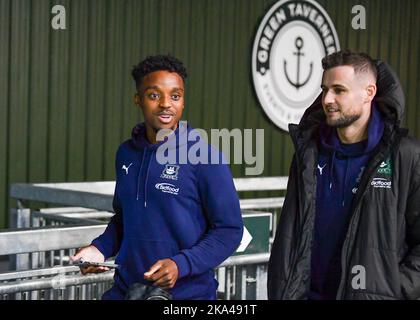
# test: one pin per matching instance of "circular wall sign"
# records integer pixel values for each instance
(291, 41)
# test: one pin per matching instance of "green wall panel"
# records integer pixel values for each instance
(66, 96)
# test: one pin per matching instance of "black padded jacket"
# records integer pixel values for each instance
(384, 230)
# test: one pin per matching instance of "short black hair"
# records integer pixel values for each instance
(158, 63)
(360, 61)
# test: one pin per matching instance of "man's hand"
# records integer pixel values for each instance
(90, 254)
(163, 273)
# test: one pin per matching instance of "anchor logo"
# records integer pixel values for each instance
(297, 84)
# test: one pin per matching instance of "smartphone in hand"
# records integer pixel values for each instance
(86, 264)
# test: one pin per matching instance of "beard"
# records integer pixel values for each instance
(343, 121)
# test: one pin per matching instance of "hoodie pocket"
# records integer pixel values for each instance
(157, 249)
(140, 254)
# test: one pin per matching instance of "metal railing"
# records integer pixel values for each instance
(240, 277)
(47, 283)
(45, 238)
(98, 195)
(61, 282)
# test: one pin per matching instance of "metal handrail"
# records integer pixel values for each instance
(15, 275)
(255, 258)
(27, 240)
(60, 280)
(98, 195)
(258, 203)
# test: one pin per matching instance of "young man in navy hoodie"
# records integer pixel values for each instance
(173, 223)
(350, 224)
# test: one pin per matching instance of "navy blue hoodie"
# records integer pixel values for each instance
(186, 212)
(339, 170)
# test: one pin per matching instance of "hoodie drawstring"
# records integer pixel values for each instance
(147, 177)
(332, 168)
(345, 177)
(345, 182)
(138, 177)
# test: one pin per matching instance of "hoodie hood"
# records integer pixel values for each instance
(139, 136)
(329, 139)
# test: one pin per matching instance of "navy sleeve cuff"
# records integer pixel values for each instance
(99, 246)
(183, 265)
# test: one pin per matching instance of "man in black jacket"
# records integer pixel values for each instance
(350, 224)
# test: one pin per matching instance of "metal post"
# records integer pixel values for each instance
(261, 290)
(22, 218)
